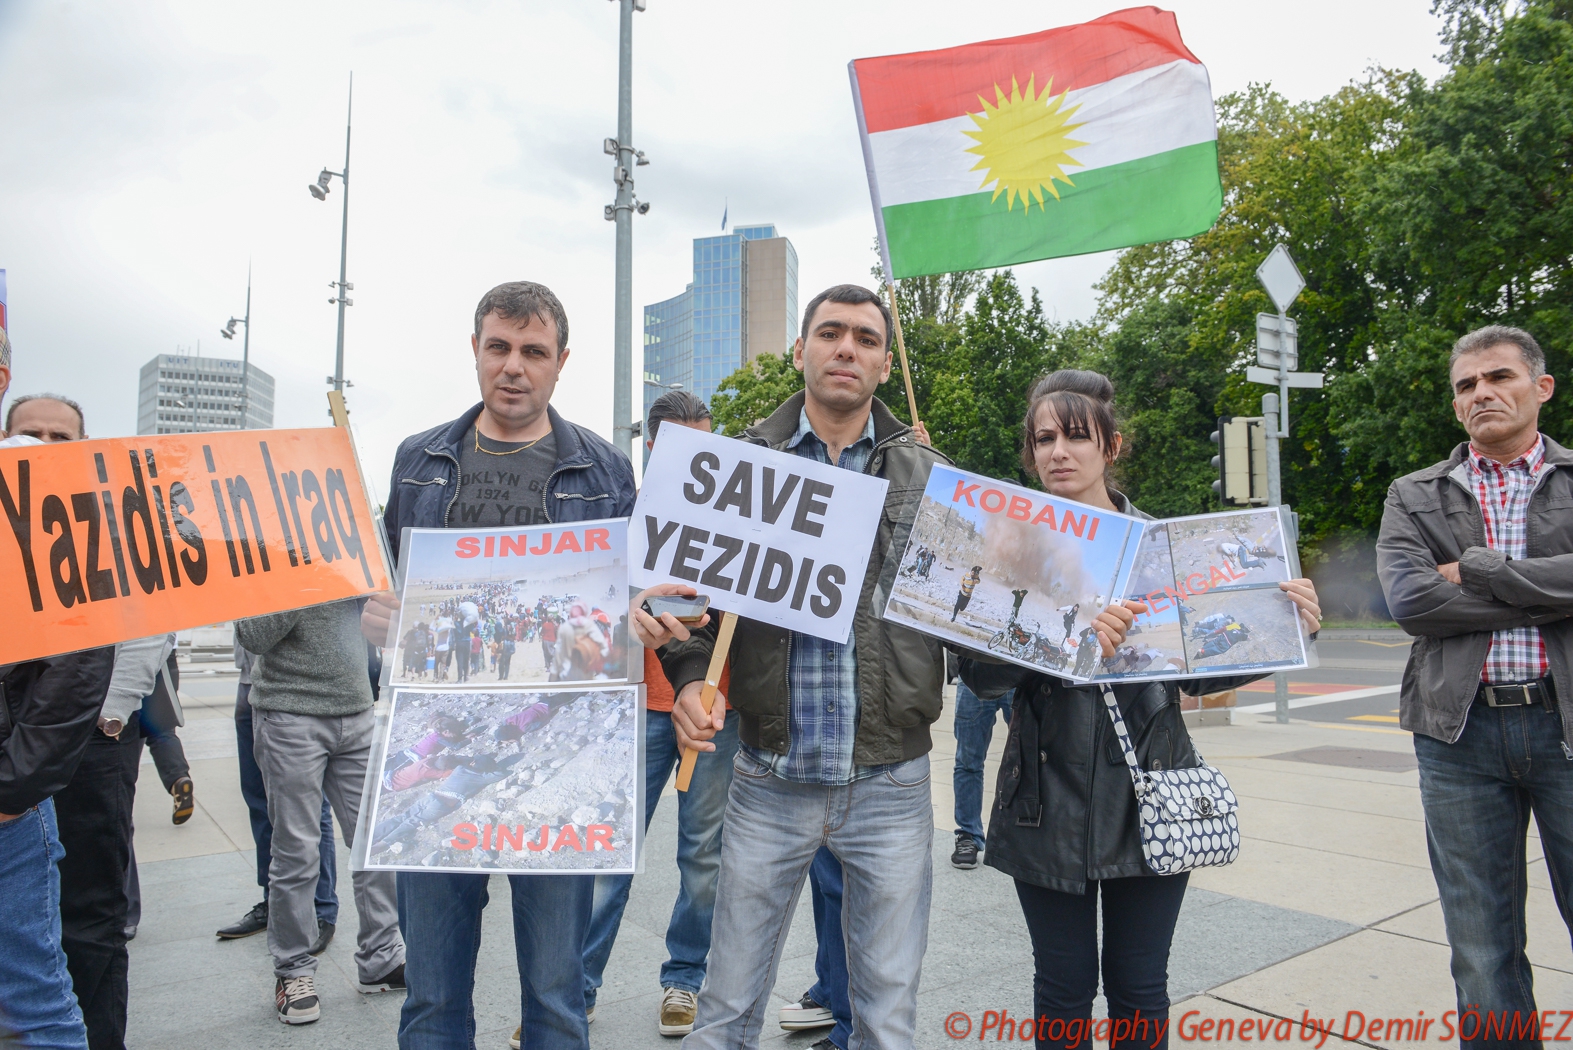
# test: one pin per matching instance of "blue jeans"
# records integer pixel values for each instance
(256, 796)
(881, 828)
(699, 812)
(830, 961)
(440, 916)
(1478, 795)
(37, 1005)
(974, 731)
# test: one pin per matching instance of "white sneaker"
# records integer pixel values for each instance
(805, 1013)
(296, 998)
(678, 1006)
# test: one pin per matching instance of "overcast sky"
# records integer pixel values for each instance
(151, 149)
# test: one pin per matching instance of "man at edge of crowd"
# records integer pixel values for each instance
(1476, 560)
(558, 472)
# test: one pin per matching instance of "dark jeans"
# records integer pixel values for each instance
(1478, 795)
(440, 916)
(830, 961)
(974, 732)
(1138, 926)
(94, 814)
(256, 796)
(156, 718)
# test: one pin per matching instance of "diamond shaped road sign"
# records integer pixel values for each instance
(1281, 277)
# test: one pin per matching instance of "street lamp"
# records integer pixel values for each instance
(228, 332)
(319, 190)
(663, 386)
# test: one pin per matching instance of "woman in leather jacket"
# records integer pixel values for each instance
(1064, 823)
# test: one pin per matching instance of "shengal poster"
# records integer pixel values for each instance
(508, 780)
(1210, 583)
(1021, 575)
(486, 607)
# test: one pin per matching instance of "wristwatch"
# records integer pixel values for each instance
(110, 726)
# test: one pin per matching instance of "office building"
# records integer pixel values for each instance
(183, 394)
(742, 303)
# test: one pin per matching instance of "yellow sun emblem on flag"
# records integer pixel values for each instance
(1024, 142)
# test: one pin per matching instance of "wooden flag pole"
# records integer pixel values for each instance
(340, 414)
(723, 643)
(901, 348)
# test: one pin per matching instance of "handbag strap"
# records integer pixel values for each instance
(1138, 777)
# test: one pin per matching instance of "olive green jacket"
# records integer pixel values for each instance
(901, 673)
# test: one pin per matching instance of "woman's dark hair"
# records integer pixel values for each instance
(677, 405)
(1082, 401)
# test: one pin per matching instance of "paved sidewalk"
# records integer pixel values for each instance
(1330, 908)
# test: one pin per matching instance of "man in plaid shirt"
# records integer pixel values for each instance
(1476, 559)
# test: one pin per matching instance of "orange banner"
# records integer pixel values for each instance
(126, 537)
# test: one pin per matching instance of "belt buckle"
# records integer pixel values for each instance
(1522, 687)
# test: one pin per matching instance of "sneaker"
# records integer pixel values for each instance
(804, 1014)
(966, 855)
(589, 1015)
(824, 1044)
(254, 921)
(296, 998)
(325, 931)
(514, 1041)
(185, 795)
(677, 1011)
(131, 933)
(392, 981)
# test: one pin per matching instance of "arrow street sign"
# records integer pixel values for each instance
(1269, 342)
(1306, 380)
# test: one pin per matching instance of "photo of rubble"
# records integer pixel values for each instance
(989, 581)
(507, 780)
(483, 620)
(1235, 632)
(1247, 546)
(1154, 647)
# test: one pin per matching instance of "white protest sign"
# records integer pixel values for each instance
(769, 535)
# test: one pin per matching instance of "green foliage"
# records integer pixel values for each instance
(753, 392)
(1416, 212)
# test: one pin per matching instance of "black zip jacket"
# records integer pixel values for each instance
(48, 711)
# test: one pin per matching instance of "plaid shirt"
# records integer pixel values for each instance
(1518, 655)
(822, 675)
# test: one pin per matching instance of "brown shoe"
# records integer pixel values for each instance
(677, 1011)
(185, 795)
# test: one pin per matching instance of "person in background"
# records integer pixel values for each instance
(699, 809)
(1064, 824)
(255, 793)
(49, 710)
(1475, 556)
(564, 473)
(157, 721)
(974, 732)
(312, 736)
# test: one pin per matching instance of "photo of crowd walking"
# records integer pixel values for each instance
(932, 657)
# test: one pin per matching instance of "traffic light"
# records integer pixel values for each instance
(1241, 460)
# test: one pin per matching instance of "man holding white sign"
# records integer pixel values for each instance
(835, 735)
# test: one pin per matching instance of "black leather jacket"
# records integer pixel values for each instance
(48, 711)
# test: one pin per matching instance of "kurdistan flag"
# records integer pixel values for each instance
(1073, 140)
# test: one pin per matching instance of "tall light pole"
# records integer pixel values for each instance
(319, 190)
(228, 332)
(621, 211)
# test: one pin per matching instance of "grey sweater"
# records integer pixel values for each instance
(309, 661)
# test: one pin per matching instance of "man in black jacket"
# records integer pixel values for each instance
(48, 709)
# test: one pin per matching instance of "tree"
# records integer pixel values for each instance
(754, 391)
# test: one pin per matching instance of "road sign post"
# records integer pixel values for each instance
(1277, 353)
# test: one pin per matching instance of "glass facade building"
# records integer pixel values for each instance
(742, 303)
(185, 394)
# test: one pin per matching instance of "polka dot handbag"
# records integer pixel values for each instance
(1188, 816)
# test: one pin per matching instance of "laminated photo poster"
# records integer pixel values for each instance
(1022, 575)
